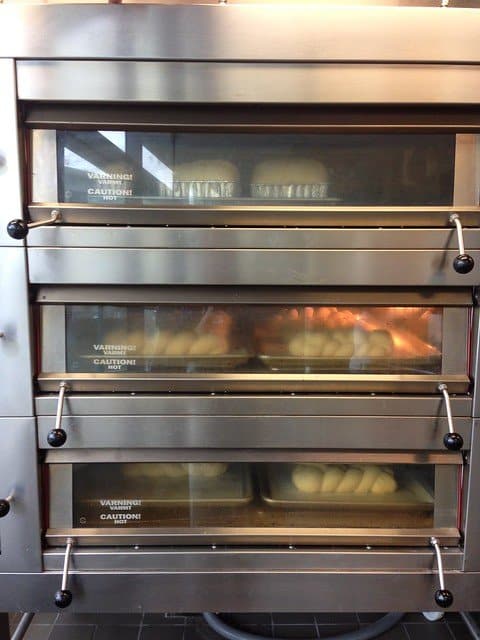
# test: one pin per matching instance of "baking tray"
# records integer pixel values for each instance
(199, 189)
(217, 363)
(277, 490)
(234, 487)
(355, 363)
(290, 191)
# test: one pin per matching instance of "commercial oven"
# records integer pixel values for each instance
(247, 306)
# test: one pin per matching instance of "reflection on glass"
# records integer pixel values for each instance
(253, 338)
(221, 494)
(138, 168)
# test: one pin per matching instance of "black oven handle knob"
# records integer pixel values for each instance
(64, 597)
(18, 229)
(463, 263)
(453, 441)
(444, 598)
(5, 506)
(57, 437)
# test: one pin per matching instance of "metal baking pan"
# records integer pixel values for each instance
(317, 364)
(193, 189)
(234, 487)
(277, 490)
(218, 362)
(290, 191)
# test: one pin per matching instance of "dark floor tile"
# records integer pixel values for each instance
(420, 618)
(294, 631)
(112, 632)
(201, 631)
(169, 619)
(428, 631)
(115, 619)
(453, 617)
(13, 620)
(395, 633)
(332, 630)
(459, 631)
(45, 618)
(293, 618)
(242, 619)
(163, 632)
(38, 632)
(336, 618)
(367, 616)
(72, 632)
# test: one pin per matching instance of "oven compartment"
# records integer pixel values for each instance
(285, 339)
(105, 498)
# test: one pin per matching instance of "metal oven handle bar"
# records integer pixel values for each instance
(18, 229)
(63, 597)
(453, 441)
(443, 597)
(463, 263)
(57, 436)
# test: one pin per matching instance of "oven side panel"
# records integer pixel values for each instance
(20, 549)
(10, 177)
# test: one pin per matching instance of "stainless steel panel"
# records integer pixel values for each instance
(255, 590)
(472, 512)
(15, 346)
(62, 456)
(44, 166)
(253, 405)
(467, 170)
(224, 431)
(233, 82)
(252, 382)
(20, 529)
(295, 32)
(254, 238)
(438, 297)
(258, 536)
(256, 267)
(475, 355)
(456, 340)
(53, 335)
(60, 506)
(248, 559)
(10, 176)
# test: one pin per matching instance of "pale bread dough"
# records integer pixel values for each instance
(384, 483)
(370, 474)
(350, 480)
(289, 170)
(332, 478)
(205, 469)
(180, 344)
(208, 344)
(306, 478)
(173, 469)
(137, 338)
(155, 344)
(214, 170)
(331, 348)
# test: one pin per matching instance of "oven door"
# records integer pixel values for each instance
(127, 497)
(215, 339)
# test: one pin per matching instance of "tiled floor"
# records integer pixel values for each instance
(154, 626)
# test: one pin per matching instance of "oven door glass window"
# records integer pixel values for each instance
(258, 499)
(153, 169)
(253, 338)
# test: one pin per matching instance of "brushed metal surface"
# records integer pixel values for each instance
(456, 340)
(243, 267)
(438, 297)
(466, 189)
(248, 559)
(247, 216)
(240, 82)
(286, 536)
(132, 405)
(472, 512)
(225, 431)
(20, 529)
(16, 398)
(252, 382)
(255, 590)
(10, 176)
(296, 32)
